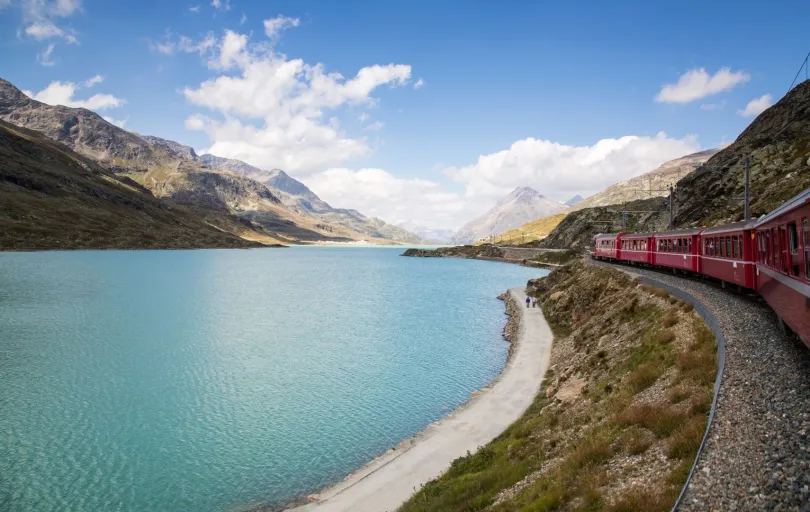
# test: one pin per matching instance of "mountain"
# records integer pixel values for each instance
(54, 198)
(574, 200)
(522, 205)
(652, 184)
(299, 198)
(777, 144)
(429, 235)
(227, 192)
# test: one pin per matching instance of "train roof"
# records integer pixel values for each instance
(637, 235)
(788, 206)
(728, 228)
(607, 235)
(680, 232)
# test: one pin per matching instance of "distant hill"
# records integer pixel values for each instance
(299, 198)
(778, 143)
(531, 231)
(522, 205)
(652, 184)
(264, 202)
(54, 198)
(574, 200)
(429, 235)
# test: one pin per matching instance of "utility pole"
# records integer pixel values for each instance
(671, 207)
(624, 221)
(747, 188)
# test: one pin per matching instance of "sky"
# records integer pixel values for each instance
(417, 111)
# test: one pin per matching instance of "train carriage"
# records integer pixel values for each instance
(727, 254)
(636, 247)
(783, 263)
(677, 249)
(605, 247)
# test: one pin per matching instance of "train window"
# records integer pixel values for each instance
(722, 245)
(689, 246)
(806, 236)
(735, 247)
(793, 238)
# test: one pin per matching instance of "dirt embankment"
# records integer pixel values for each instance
(620, 415)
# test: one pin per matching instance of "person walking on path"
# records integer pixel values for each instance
(528, 301)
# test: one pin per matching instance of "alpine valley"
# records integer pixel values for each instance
(233, 200)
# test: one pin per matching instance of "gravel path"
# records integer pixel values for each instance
(388, 481)
(757, 455)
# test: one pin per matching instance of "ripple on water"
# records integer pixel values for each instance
(213, 380)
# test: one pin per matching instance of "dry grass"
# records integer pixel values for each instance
(610, 334)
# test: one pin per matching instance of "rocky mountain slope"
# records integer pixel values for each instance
(54, 198)
(522, 205)
(778, 145)
(298, 197)
(429, 235)
(291, 213)
(652, 184)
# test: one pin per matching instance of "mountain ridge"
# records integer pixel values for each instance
(173, 170)
(522, 205)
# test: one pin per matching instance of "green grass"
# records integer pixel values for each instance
(566, 447)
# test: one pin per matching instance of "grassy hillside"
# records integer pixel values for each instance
(777, 144)
(53, 198)
(620, 415)
(531, 231)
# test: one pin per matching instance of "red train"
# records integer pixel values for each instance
(770, 256)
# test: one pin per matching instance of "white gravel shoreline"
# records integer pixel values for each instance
(389, 480)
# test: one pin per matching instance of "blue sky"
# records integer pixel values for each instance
(510, 93)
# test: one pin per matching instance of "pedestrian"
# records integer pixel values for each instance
(528, 301)
(534, 303)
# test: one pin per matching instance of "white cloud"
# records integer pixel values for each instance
(274, 26)
(243, 19)
(555, 170)
(184, 44)
(756, 106)
(121, 123)
(43, 30)
(220, 5)
(44, 58)
(376, 125)
(61, 93)
(713, 106)
(378, 193)
(273, 108)
(697, 83)
(419, 83)
(194, 8)
(363, 117)
(40, 17)
(560, 171)
(94, 81)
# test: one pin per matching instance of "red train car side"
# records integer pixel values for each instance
(636, 247)
(727, 254)
(783, 263)
(605, 247)
(678, 249)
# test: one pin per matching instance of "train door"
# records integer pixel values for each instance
(783, 250)
(806, 236)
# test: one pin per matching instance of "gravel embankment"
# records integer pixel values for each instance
(757, 455)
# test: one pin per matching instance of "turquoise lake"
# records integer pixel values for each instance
(223, 380)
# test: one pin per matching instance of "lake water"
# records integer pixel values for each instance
(222, 380)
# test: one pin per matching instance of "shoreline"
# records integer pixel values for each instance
(387, 481)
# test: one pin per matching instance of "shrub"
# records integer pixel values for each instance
(644, 376)
(664, 337)
(661, 420)
(671, 319)
(685, 442)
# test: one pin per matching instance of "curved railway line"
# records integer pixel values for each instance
(756, 455)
